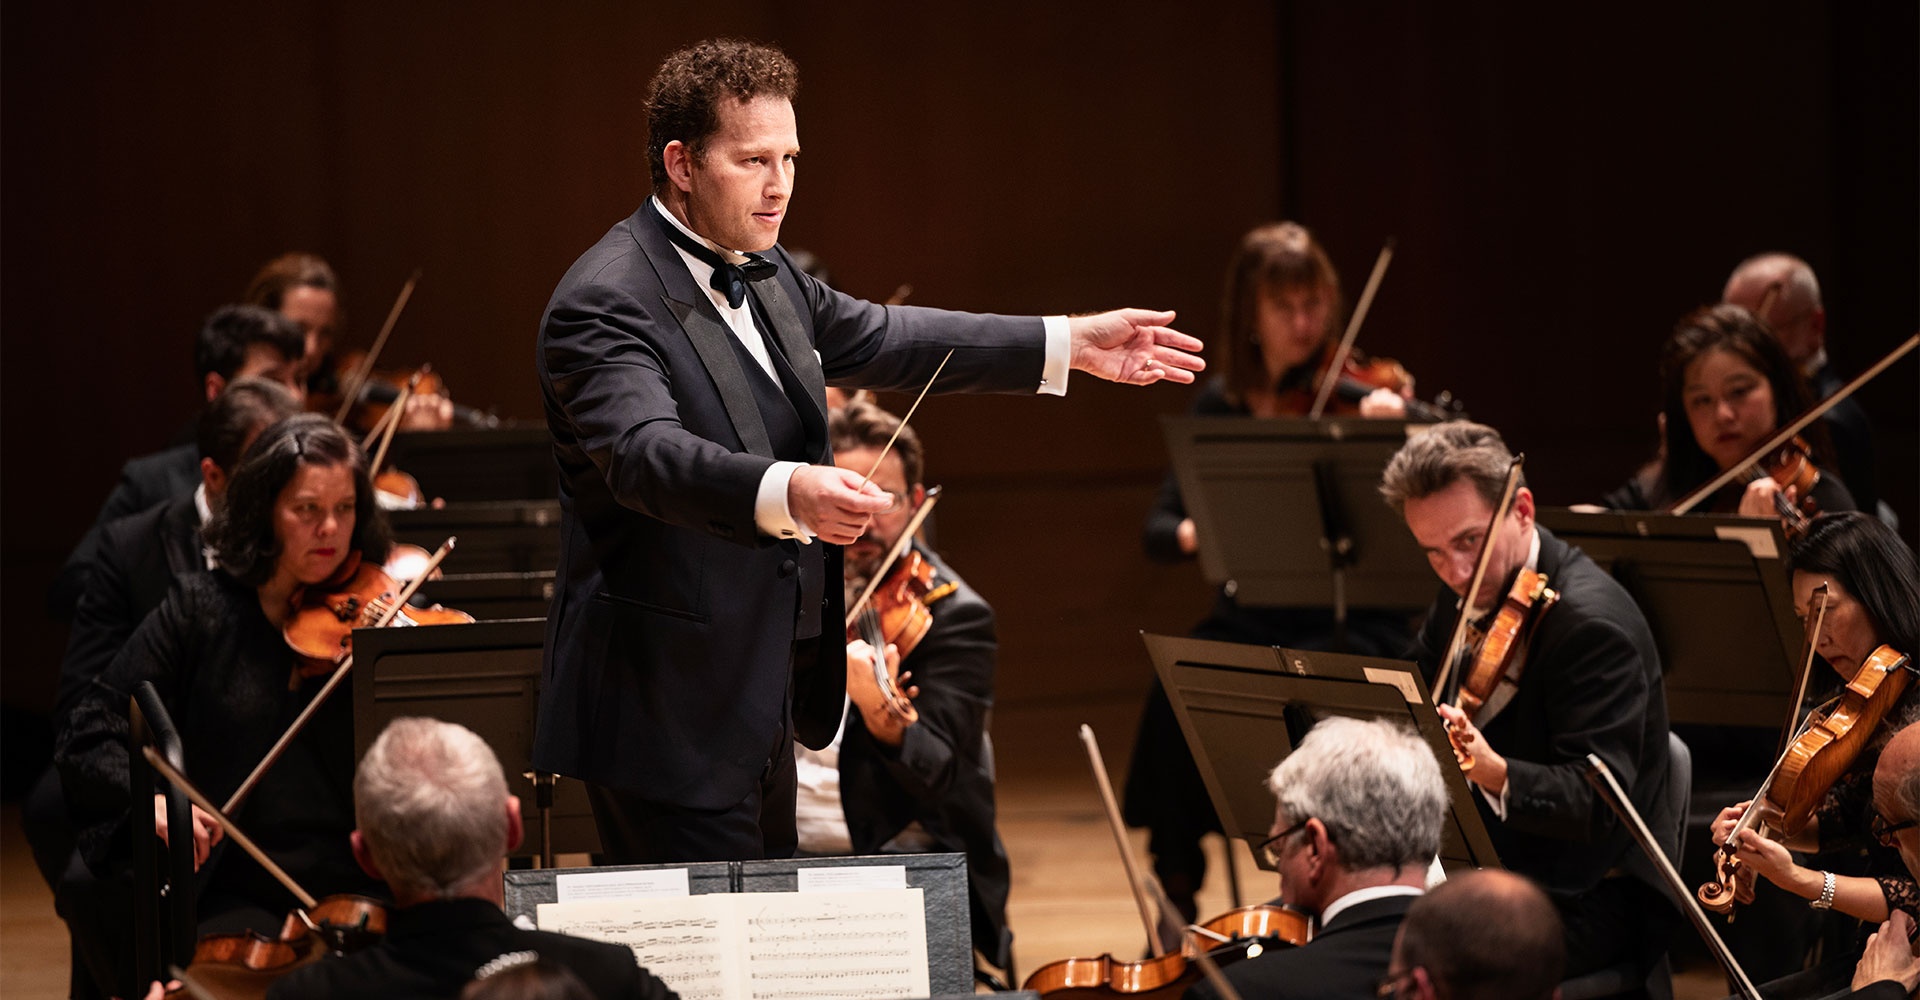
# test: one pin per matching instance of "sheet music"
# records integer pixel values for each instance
(690, 942)
(766, 945)
(835, 944)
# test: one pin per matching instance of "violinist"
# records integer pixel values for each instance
(1888, 967)
(1282, 319)
(235, 342)
(138, 559)
(1356, 826)
(1872, 600)
(435, 821)
(1587, 681)
(298, 508)
(1727, 386)
(302, 287)
(1790, 292)
(889, 785)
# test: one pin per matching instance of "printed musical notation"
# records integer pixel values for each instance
(766, 945)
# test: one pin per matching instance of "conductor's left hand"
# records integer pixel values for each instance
(1134, 346)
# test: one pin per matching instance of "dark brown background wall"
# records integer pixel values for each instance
(1561, 192)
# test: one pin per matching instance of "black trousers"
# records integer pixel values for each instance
(1619, 920)
(636, 830)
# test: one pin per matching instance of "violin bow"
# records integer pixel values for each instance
(1332, 377)
(1455, 644)
(339, 674)
(910, 411)
(893, 555)
(350, 393)
(395, 411)
(1786, 433)
(246, 843)
(1100, 778)
(1608, 786)
(1208, 967)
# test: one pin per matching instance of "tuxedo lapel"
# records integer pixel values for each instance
(704, 329)
(791, 336)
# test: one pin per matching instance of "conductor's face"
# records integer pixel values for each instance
(736, 189)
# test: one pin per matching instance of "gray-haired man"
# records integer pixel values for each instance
(1355, 828)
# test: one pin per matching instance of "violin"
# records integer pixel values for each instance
(1813, 756)
(894, 609)
(1246, 932)
(1241, 933)
(1498, 654)
(359, 596)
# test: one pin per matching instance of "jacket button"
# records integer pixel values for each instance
(787, 567)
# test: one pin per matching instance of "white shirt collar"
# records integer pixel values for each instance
(1366, 895)
(1815, 363)
(206, 514)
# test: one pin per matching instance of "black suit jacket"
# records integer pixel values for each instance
(1345, 959)
(433, 949)
(942, 773)
(144, 482)
(1591, 684)
(1852, 435)
(136, 563)
(681, 639)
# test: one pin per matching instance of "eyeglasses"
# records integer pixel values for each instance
(896, 502)
(1266, 847)
(1390, 985)
(1883, 828)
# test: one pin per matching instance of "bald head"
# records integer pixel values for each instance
(1485, 934)
(1896, 791)
(1786, 286)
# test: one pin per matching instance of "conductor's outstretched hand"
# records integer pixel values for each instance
(1134, 346)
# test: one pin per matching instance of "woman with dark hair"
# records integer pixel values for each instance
(299, 509)
(1282, 315)
(1727, 387)
(1872, 600)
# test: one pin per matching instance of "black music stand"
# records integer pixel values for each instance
(1289, 515)
(1244, 708)
(1716, 592)
(496, 536)
(486, 677)
(511, 462)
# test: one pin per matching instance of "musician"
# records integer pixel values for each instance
(1588, 682)
(887, 785)
(298, 506)
(1887, 967)
(1873, 599)
(302, 287)
(1282, 321)
(1728, 387)
(235, 342)
(1356, 825)
(435, 820)
(139, 558)
(686, 646)
(1485, 935)
(1798, 320)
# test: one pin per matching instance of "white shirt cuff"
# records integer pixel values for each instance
(1498, 802)
(770, 512)
(1053, 376)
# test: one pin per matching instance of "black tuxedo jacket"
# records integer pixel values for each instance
(1591, 684)
(681, 639)
(431, 951)
(136, 563)
(942, 773)
(1346, 959)
(1852, 435)
(144, 482)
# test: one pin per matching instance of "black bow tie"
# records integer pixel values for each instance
(728, 279)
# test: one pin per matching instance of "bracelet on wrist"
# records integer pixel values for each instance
(1827, 885)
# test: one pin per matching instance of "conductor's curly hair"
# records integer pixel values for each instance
(683, 101)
